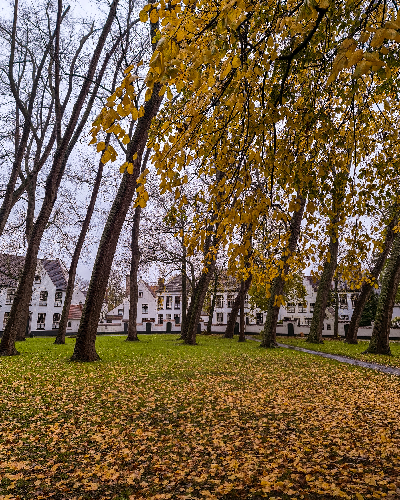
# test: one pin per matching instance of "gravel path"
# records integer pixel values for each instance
(343, 359)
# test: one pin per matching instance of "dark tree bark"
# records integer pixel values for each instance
(62, 330)
(20, 309)
(184, 290)
(269, 332)
(379, 343)
(196, 304)
(85, 349)
(242, 335)
(133, 278)
(336, 323)
(367, 288)
(213, 302)
(230, 327)
(324, 288)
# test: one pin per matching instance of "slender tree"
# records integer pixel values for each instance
(368, 286)
(379, 343)
(20, 308)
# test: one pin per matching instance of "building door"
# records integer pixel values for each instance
(236, 330)
(169, 327)
(148, 327)
(290, 330)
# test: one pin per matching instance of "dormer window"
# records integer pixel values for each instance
(140, 295)
(38, 278)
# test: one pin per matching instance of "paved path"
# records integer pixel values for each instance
(343, 359)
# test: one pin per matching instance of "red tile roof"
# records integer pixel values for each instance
(75, 312)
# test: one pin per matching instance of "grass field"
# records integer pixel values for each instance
(350, 350)
(221, 420)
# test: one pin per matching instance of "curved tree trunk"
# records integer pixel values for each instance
(242, 335)
(230, 327)
(379, 343)
(85, 349)
(336, 322)
(324, 288)
(366, 288)
(19, 313)
(62, 330)
(212, 304)
(196, 305)
(133, 279)
(269, 332)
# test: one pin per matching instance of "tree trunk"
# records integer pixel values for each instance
(366, 288)
(133, 278)
(230, 327)
(184, 291)
(212, 304)
(317, 322)
(196, 305)
(242, 335)
(379, 343)
(62, 330)
(20, 309)
(269, 332)
(336, 323)
(85, 343)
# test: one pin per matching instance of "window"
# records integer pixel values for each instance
(247, 320)
(168, 304)
(168, 317)
(56, 321)
(220, 317)
(144, 320)
(219, 301)
(246, 300)
(231, 300)
(38, 278)
(328, 326)
(69, 324)
(160, 319)
(58, 299)
(312, 305)
(120, 312)
(10, 295)
(259, 319)
(354, 297)
(109, 321)
(5, 319)
(177, 319)
(140, 295)
(43, 298)
(343, 301)
(145, 308)
(160, 303)
(308, 321)
(291, 308)
(345, 317)
(302, 307)
(177, 302)
(41, 320)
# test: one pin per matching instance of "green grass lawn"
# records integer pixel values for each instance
(221, 420)
(349, 350)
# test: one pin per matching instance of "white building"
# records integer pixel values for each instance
(48, 292)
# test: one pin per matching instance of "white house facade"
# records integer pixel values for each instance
(48, 293)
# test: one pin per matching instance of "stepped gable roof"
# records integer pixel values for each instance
(11, 267)
(75, 312)
(152, 288)
(55, 270)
